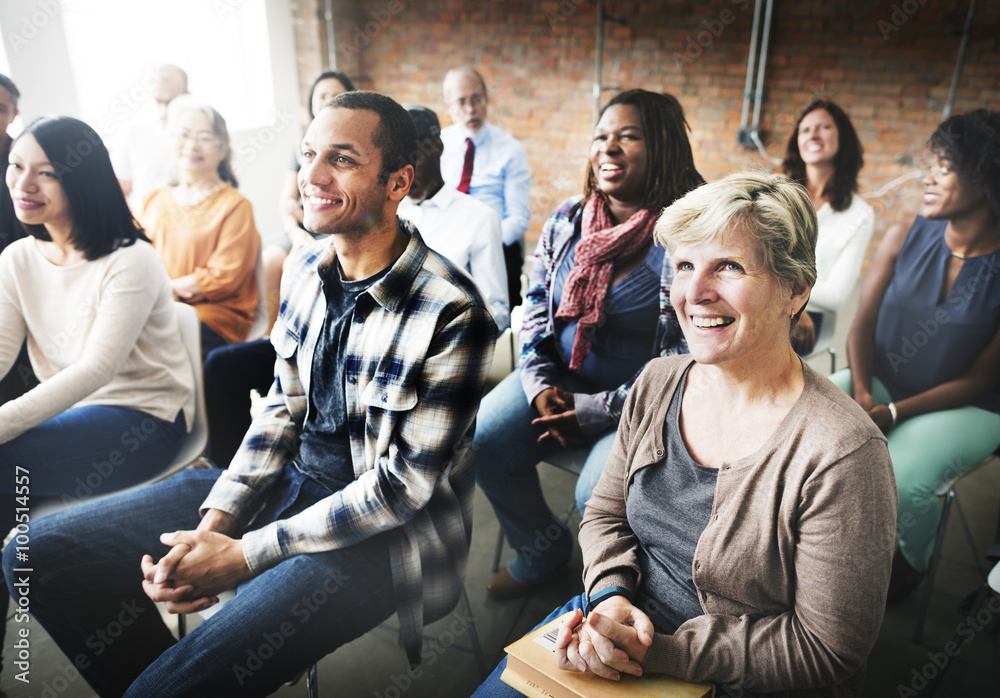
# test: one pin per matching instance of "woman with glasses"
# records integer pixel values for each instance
(825, 155)
(924, 348)
(204, 229)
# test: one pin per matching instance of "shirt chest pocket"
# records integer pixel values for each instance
(391, 397)
(284, 342)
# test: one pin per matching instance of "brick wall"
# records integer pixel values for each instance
(889, 64)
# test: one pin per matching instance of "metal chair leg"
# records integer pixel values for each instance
(477, 649)
(925, 601)
(312, 686)
(968, 537)
(498, 553)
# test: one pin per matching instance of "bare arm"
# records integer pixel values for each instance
(861, 338)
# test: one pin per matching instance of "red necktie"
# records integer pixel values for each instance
(470, 155)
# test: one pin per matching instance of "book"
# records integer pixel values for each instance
(531, 670)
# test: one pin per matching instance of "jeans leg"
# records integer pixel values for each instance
(592, 469)
(507, 453)
(280, 622)
(493, 687)
(231, 372)
(82, 452)
(86, 586)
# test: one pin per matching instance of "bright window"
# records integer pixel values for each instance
(115, 45)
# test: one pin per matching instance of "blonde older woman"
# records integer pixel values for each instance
(742, 530)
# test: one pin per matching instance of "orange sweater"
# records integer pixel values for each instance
(217, 241)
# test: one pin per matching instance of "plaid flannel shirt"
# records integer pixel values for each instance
(418, 353)
(540, 364)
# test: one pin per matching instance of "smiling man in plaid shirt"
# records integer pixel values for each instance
(351, 495)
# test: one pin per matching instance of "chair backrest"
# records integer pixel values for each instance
(259, 328)
(826, 331)
(197, 438)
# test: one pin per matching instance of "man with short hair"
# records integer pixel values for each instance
(489, 164)
(351, 496)
(142, 157)
(10, 228)
(20, 378)
(464, 230)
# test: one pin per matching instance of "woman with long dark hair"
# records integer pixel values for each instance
(204, 229)
(825, 155)
(595, 313)
(90, 296)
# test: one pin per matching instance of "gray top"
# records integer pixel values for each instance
(669, 507)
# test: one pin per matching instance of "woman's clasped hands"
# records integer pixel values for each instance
(611, 641)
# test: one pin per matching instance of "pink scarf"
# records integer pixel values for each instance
(602, 243)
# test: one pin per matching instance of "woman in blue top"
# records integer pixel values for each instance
(593, 318)
(924, 348)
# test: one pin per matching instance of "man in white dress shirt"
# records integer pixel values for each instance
(142, 156)
(488, 164)
(454, 224)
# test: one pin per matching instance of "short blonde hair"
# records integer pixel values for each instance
(772, 208)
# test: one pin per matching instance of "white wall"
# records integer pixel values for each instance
(92, 59)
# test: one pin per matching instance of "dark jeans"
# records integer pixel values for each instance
(210, 341)
(231, 372)
(513, 257)
(86, 591)
(83, 452)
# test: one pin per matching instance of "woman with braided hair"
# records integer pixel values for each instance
(596, 311)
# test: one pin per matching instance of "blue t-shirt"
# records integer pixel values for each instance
(921, 343)
(623, 344)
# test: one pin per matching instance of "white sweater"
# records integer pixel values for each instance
(100, 332)
(840, 252)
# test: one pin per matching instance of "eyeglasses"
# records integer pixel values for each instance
(474, 100)
(204, 138)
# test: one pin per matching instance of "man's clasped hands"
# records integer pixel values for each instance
(201, 564)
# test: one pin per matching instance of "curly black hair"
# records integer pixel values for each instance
(847, 163)
(971, 142)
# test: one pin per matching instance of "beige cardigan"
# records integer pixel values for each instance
(793, 567)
